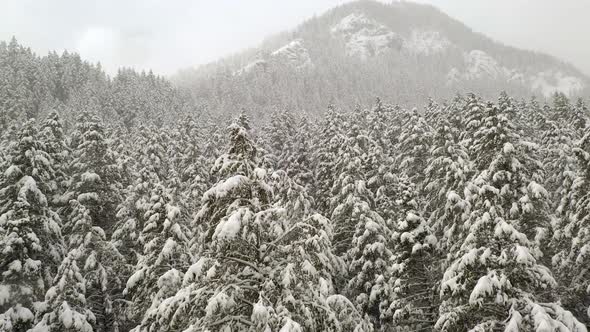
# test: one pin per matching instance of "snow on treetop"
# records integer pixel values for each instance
(4, 294)
(486, 286)
(508, 148)
(14, 266)
(218, 302)
(237, 130)
(172, 212)
(29, 189)
(12, 171)
(260, 312)
(195, 271)
(523, 255)
(291, 326)
(19, 313)
(169, 248)
(135, 278)
(172, 276)
(260, 173)
(503, 228)
(222, 188)
(229, 228)
(537, 190)
(72, 319)
(88, 197)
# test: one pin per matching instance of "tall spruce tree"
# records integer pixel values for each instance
(95, 176)
(66, 300)
(101, 265)
(165, 243)
(54, 138)
(571, 236)
(414, 265)
(31, 244)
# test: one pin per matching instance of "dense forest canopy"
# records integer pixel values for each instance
(123, 206)
(273, 191)
(31, 86)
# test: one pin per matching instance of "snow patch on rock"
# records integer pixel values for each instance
(480, 65)
(293, 54)
(365, 37)
(252, 66)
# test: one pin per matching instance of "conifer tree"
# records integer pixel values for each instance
(30, 239)
(561, 110)
(580, 117)
(227, 245)
(369, 267)
(497, 278)
(328, 143)
(95, 179)
(54, 138)
(280, 135)
(131, 216)
(448, 168)
(473, 111)
(165, 242)
(242, 259)
(351, 202)
(559, 163)
(66, 300)
(100, 263)
(299, 161)
(571, 236)
(194, 165)
(414, 143)
(291, 196)
(447, 174)
(154, 153)
(411, 283)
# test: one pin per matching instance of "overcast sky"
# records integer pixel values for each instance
(167, 35)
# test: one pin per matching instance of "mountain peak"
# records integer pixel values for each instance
(401, 51)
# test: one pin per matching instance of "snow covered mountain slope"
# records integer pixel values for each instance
(403, 52)
(365, 37)
(293, 54)
(427, 42)
(480, 65)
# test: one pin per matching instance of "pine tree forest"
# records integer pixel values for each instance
(126, 207)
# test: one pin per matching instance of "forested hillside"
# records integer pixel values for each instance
(32, 85)
(402, 51)
(273, 191)
(468, 215)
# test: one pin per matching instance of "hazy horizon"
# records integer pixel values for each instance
(172, 35)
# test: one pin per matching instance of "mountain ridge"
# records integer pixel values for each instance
(404, 46)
